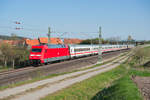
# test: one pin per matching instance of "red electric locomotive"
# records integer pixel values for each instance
(48, 53)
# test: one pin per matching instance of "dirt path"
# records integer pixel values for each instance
(143, 84)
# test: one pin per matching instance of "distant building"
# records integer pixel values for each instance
(32, 42)
(44, 40)
(72, 41)
(41, 40)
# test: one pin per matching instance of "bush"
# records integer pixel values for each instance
(141, 56)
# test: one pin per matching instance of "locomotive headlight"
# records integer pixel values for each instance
(38, 56)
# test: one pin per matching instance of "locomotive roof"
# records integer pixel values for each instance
(53, 45)
(56, 46)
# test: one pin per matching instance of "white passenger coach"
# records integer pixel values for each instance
(84, 50)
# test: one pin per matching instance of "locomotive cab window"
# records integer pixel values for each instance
(36, 50)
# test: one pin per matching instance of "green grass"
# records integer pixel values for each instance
(121, 89)
(87, 89)
(144, 73)
(148, 47)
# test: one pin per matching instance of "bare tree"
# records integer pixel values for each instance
(114, 40)
(5, 48)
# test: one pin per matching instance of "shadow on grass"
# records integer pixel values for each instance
(147, 64)
(109, 94)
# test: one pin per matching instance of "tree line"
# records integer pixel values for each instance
(13, 56)
(12, 37)
(107, 41)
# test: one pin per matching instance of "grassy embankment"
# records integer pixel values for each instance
(112, 85)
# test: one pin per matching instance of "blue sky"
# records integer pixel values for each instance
(79, 18)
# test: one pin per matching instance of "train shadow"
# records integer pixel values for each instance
(108, 93)
(147, 64)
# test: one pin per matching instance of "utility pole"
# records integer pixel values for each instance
(100, 47)
(49, 32)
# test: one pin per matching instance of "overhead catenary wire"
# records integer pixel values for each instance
(42, 33)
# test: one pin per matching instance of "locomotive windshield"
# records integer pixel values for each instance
(36, 50)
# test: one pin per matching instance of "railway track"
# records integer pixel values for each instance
(22, 69)
(22, 74)
(15, 70)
